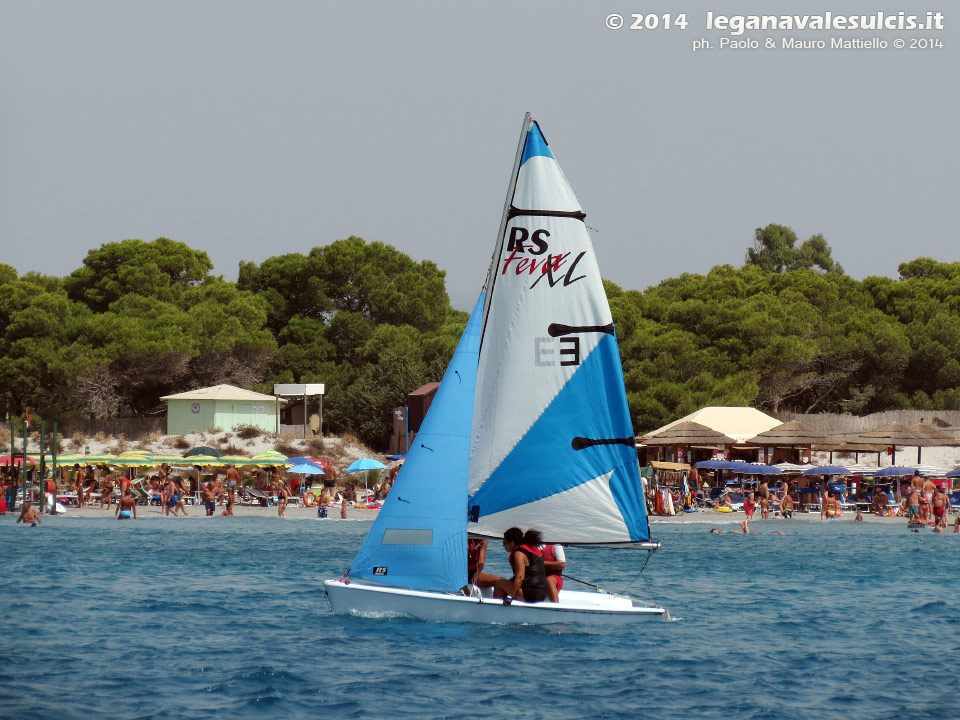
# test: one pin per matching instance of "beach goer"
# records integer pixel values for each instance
(859, 516)
(169, 497)
(830, 506)
(209, 498)
(749, 505)
(29, 515)
(913, 505)
(745, 528)
(51, 491)
(126, 506)
(106, 490)
(283, 494)
(940, 504)
(956, 525)
(232, 478)
(181, 493)
(554, 563)
(714, 531)
(529, 581)
(343, 509)
(786, 506)
(3, 495)
(880, 502)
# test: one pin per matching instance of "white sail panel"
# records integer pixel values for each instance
(541, 185)
(593, 504)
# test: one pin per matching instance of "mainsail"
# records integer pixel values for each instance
(419, 538)
(553, 442)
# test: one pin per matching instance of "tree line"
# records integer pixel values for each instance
(787, 330)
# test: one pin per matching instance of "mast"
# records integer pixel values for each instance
(507, 204)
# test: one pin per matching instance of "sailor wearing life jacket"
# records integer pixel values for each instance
(529, 581)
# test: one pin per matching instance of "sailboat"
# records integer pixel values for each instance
(530, 427)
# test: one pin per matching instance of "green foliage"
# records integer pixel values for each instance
(774, 250)
(787, 331)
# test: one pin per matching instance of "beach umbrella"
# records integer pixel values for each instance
(827, 470)
(9, 459)
(307, 468)
(365, 464)
(788, 467)
(203, 450)
(757, 469)
(305, 461)
(362, 465)
(269, 455)
(895, 471)
(953, 473)
(715, 464)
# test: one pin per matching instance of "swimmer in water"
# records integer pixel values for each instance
(29, 515)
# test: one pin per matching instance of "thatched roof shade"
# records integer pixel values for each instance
(791, 433)
(896, 433)
(688, 433)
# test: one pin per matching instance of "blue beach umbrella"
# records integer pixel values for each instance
(307, 468)
(953, 473)
(828, 470)
(365, 464)
(305, 461)
(895, 471)
(714, 464)
(757, 469)
(362, 465)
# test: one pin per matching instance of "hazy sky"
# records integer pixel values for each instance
(252, 129)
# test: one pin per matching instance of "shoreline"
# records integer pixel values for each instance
(353, 514)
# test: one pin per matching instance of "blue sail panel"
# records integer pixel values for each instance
(419, 538)
(535, 145)
(573, 443)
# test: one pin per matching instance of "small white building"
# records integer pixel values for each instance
(220, 406)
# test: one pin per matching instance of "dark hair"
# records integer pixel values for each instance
(533, 538)
(514, 535)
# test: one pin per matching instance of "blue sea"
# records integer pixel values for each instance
(227, 618)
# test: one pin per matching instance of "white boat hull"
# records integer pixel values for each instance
(357, 598)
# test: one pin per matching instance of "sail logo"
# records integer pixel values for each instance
(555, 268)
(379, 570)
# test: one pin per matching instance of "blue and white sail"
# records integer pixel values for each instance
(553, 444)
(419, 539)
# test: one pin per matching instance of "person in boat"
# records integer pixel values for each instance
(476, 557)
(554, 562)
(529, 581)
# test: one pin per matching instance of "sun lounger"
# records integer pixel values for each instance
(259, 495)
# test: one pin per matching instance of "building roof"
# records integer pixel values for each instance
(740, 423)
(220, 392)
